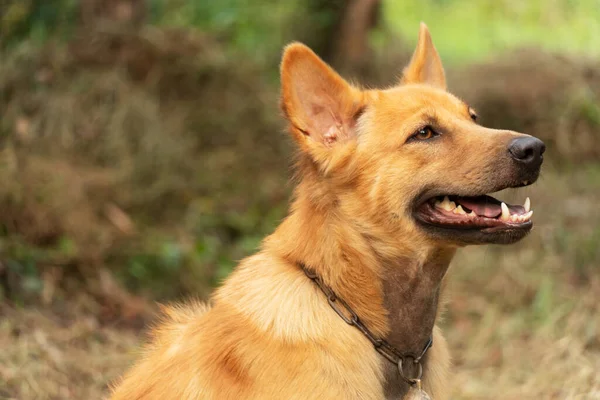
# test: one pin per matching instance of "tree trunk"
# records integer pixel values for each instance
(338, 31)
(352, 51)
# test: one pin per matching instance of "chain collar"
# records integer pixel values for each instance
(381, 346)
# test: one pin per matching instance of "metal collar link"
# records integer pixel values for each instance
(381, 346)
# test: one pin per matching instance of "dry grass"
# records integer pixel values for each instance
(45, 356)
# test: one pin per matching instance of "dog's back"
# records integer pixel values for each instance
(264, 338)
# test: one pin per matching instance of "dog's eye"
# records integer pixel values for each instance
(425, 133)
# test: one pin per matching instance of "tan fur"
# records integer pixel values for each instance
(270, 333)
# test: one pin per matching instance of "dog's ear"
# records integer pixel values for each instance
(425, 65)
(320, 105)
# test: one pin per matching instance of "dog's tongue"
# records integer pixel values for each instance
(483, 206)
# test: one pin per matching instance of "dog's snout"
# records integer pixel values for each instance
(527, 150)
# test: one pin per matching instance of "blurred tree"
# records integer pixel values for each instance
(352, 51)
(322, 19)
(338, 30)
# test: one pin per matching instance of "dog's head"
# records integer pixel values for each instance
(410, 159)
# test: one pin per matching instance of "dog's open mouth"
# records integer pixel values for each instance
(479, 212)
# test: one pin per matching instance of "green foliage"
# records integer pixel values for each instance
(257, 28)
(588, 107)
(543, 303)
(474, 30)
(35, 19)
(24, 264)
(165, 266)
(464, 31)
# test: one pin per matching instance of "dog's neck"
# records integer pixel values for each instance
(396, 294)
(411, 294)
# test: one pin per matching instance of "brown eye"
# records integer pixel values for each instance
(425, 133)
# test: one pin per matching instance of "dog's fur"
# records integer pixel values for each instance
(269, 332)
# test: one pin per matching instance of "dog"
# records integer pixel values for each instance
(342, 300)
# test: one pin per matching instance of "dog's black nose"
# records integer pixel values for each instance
(527, 150)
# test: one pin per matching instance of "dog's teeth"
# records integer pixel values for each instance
(459, 210)
(527, 205)
(447, 204)
(527, 216)
(505, 212)
(472, 214)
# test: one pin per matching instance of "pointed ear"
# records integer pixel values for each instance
(321, 106)
(425, 65)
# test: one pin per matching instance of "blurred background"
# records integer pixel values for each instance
(142, 154)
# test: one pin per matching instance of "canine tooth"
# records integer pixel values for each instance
(505, 212)
(527, 216)
(459, 210)
(527, 205)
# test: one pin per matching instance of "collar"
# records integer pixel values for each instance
(389, 352)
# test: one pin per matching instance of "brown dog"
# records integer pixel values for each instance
(391, 183)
